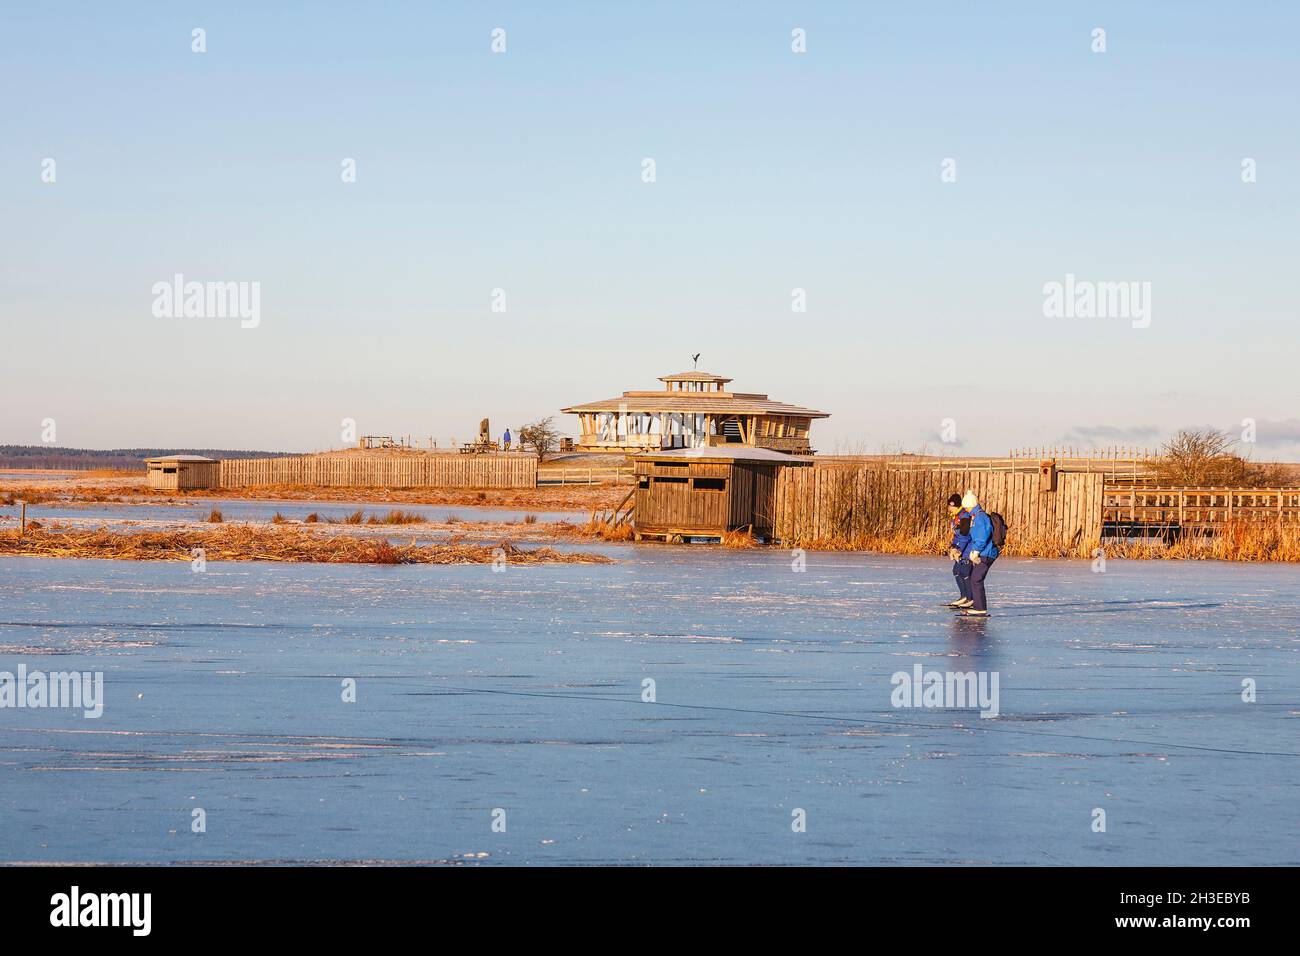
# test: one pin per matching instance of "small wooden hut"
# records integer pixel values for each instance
(177, 472)
(706, 492)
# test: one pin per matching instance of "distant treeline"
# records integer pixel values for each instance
(122, 459)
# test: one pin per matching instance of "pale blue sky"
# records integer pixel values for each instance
(522, 171)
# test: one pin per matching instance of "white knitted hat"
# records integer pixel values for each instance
(969, 501)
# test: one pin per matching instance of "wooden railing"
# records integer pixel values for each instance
(584, 476)
(1188, 507)
(1111, 469)
(1116, 464)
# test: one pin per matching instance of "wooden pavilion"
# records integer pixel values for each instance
(693, 410)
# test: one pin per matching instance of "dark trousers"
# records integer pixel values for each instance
(977, 575)
(961, 571)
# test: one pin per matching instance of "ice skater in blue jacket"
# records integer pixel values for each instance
(961, 568)
(980, 551)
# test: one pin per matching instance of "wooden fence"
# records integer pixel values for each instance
(383, 471)
(1131, 469)
(1199, 507)
(841, 503)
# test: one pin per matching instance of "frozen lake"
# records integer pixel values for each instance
(522, 691)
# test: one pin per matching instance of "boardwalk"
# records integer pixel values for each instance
(1198, 507)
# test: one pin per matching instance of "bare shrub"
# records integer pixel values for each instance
(541, 436)
(1199, 457)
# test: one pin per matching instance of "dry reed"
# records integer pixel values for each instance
(396, 517)
(1234, 541)
(741, 538)
(546, 497)
(875, 508)
(269, 543)
(606, 531)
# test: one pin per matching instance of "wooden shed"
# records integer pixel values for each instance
(177, 472)
(706, 492)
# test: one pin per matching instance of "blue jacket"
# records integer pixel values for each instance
(960, 540)
(981, 536)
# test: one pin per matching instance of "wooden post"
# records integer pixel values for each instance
(22, 526)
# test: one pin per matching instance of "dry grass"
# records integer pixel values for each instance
(396, 517)
(111, 473)
(215, 516)
(874, 509)
(32, 498)
(544, 498)
(739, 539)
(1236, 541)
(605, 530)
(268, 543)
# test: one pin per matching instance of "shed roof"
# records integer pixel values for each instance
(180, 458)
(727, 453)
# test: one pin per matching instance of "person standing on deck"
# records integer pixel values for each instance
(505, 439)
(961, 568)
(980, 551)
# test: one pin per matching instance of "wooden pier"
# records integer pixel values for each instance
(1153, 507)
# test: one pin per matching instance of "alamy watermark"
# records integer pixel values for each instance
(37, 689)
(1085, 299)
(954, 690)
(129, 910)
(179, 299)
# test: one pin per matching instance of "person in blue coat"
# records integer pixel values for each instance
(506, 439)
(961, 568)
(980, 551)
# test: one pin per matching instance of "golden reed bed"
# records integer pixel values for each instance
(1235, 541)
(268, 543)
(544, 498)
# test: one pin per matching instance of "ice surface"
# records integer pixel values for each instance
(522, 690)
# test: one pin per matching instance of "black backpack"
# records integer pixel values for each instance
(999, 529)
